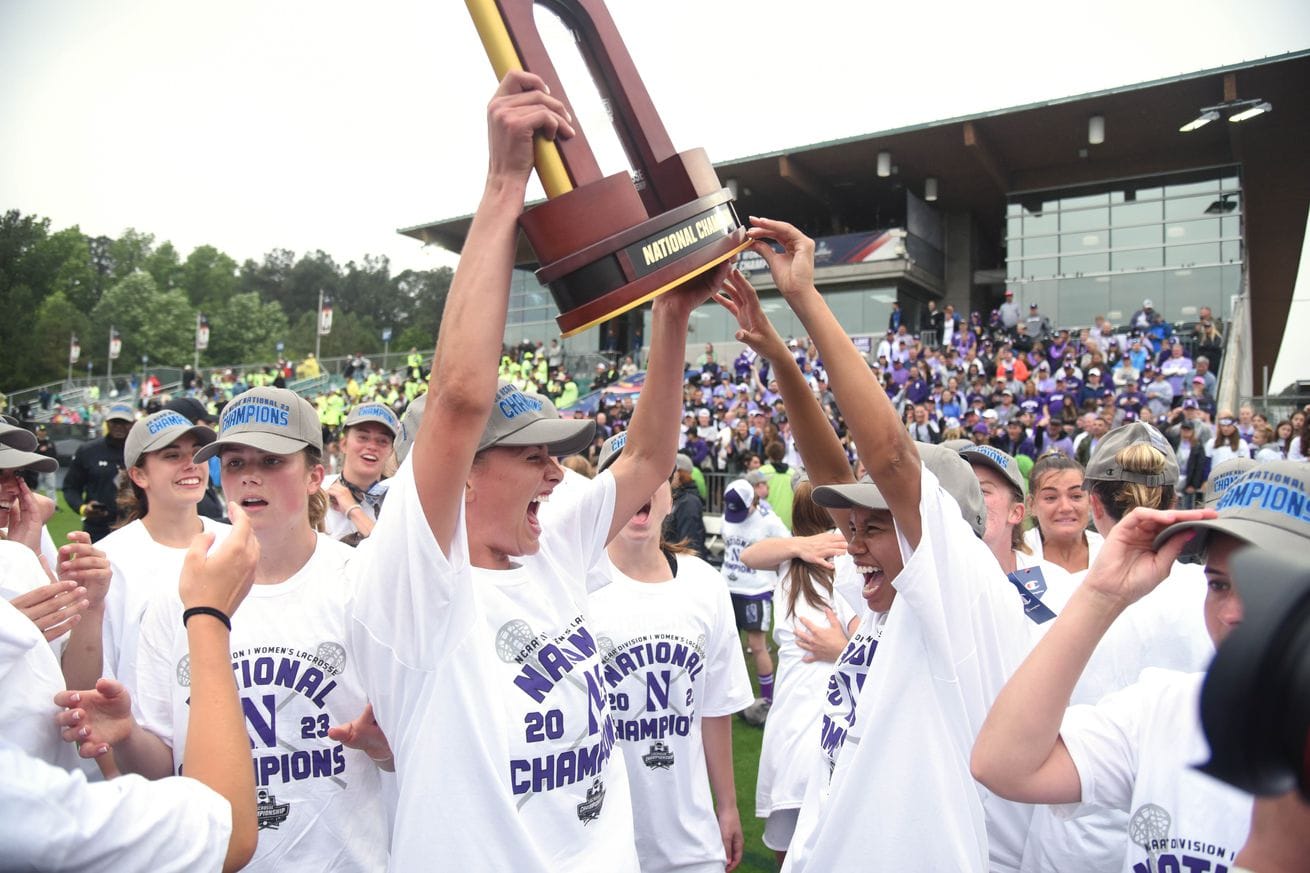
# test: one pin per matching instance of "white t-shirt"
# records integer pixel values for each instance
(1164, 629)
(737, 535)
(799, 691)
(1220, 454)
(29, 674)
(488, 685)
(1135, 752)
(320, 804)
(954, 634)
(336, 523)
(54, 820)
(141, 569)
(671, 656)
(1033, 539)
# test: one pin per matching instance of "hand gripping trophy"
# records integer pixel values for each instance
(607, 244)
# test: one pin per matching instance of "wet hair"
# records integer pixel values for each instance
(804, 578)
(1120, 498)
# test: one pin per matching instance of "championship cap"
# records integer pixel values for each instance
(17, 437)
(17, 459)
(1102, 465)
(737, 499)
(610, 450)
(1223, 476)
(1268, 507)
(191, 409)
(522, 419)
(121, 412)
(951, 471)
(161, 430)
(1000, 461)
(375, 412)
(755, 477)
(274, 420)
(956, 445)
(409, 424)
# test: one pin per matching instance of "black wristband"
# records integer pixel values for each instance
(206, 610)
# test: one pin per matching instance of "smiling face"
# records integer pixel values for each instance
(169, 477)
(8, 493)
(1060, 505)
(871, 541)
(366, 448)
(505, 488)
(1004, 508)
(273, 489)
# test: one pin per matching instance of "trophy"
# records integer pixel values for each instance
(607, 244)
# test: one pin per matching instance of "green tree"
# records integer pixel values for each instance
(209, 277)
(151, 322)
(267, 277)
(129, 253)
(242, 329)
(56, 318)
(165, 266)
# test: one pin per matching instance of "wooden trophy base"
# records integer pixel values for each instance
(623, 270)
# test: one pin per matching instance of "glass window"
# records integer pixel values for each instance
(1128, 290)
(1014, 228)
(1041, 267)
(1187, 290)
(1191, 231)
(1084, 219)
(1136, 213)
(1188, 207)
(1209, 186)
(1084, 200)
(1081, 243)
(847, 306)
(1137, 259)
(1230, 227)
(1071, 264)
(1230, 252)
(1191, 256)
(1044, 223)
(1124, 237)
(1080, 301)
(1040, 245)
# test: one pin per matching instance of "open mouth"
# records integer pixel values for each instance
(874, 579)
(534, 505)
(642, 515)
(369, 458)
(253, 503)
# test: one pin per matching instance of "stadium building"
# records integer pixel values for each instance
(1190, 191)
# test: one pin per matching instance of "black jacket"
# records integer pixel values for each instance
(686, 522)
(93, 475)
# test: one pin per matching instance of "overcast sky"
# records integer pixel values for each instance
(256, 125)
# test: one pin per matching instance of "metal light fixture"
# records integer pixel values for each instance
(884, 164)
(731, 185)
(1241, 110)
(1096, 130)
(930, 188)
(1206, 116)
(1258, 109)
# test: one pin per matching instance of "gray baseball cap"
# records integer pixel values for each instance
(956, 445)
(1000, 461)
(1268, 507)
(374, 412)
(409, 424)
(158, 431)
(273, 420)
(755, 477)
(1102, 465)
(952, 472)
(520, 418)
(682, 461)
(609, 452)
(1223, 476)
(120, 412)
(17, 437)
(17, 459)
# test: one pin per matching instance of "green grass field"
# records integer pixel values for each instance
(746, 740)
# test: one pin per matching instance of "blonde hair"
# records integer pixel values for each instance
(580, 465)
(1120, 498)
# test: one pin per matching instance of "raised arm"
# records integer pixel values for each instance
(825, 459)
(462, 385)
(882, 441)
(820, 549)
(647, 459)
(1018, 753)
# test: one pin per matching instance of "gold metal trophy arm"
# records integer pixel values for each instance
(607, 244)
(500, 51)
